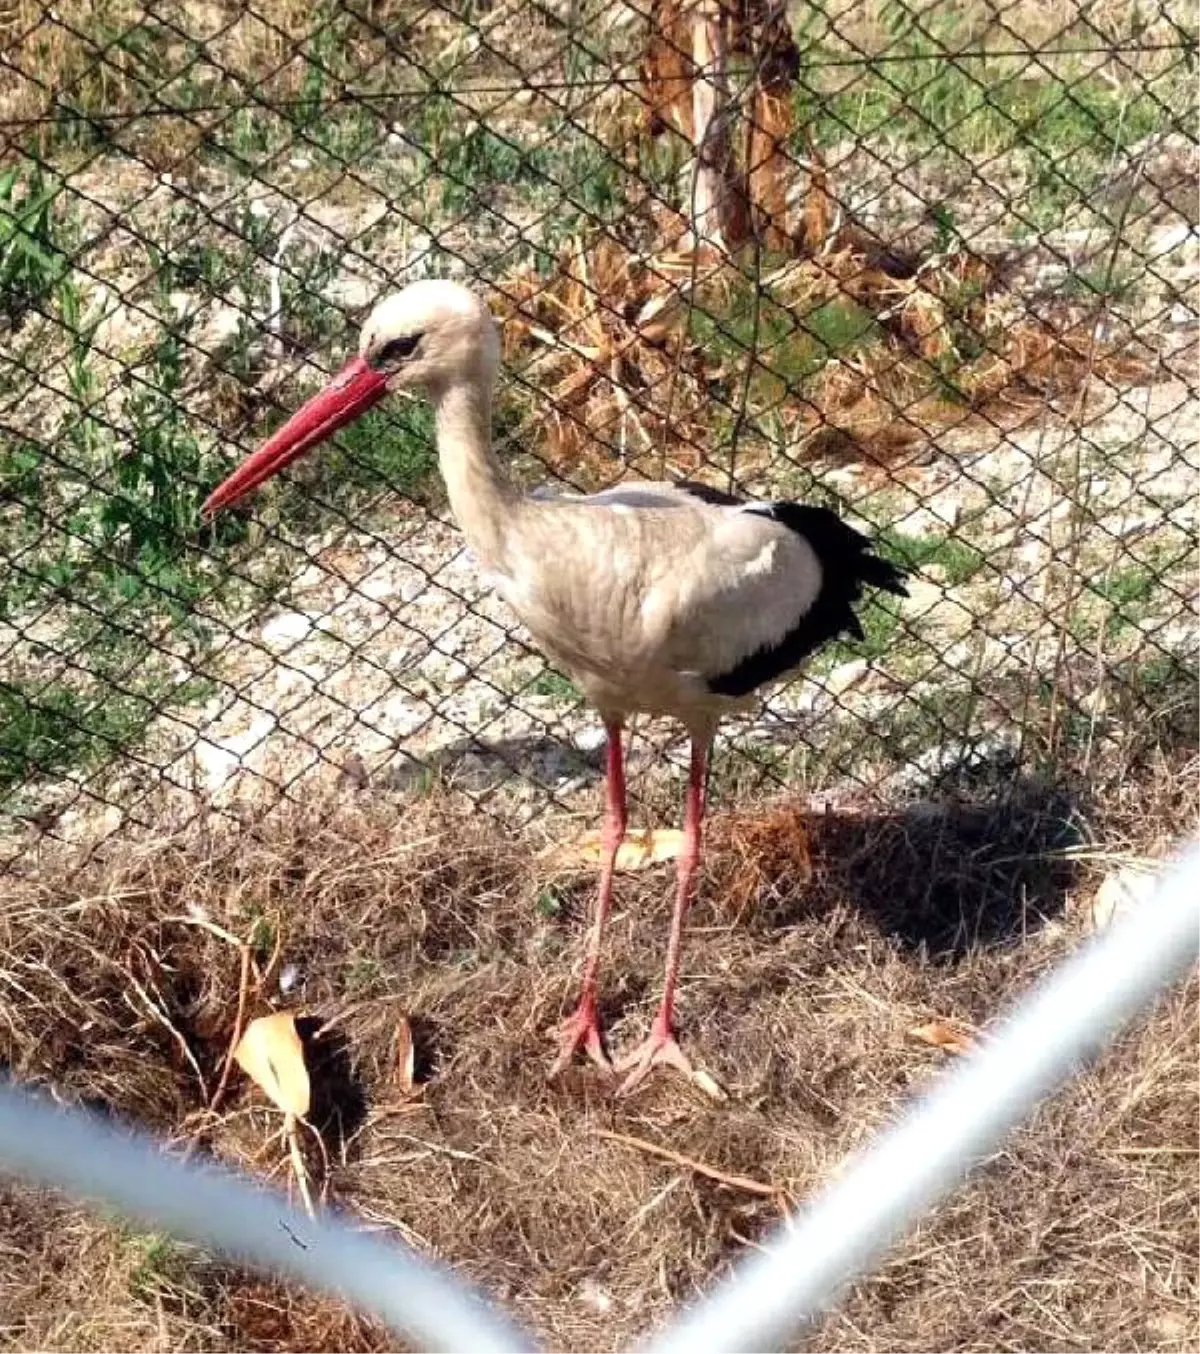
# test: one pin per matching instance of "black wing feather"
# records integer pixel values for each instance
(846, 566)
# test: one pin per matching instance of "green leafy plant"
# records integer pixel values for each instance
(31, 259)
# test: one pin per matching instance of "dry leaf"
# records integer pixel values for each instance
(668, 90)
(271, 1055)
(942, 1034)
(708, 1084)
(771, 168)
(405, 1055)
(1122, 892)
(651, 846)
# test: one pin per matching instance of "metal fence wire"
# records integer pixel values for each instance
(797, 1276)
(935, 267)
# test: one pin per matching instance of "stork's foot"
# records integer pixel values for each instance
(658, 1049)
(581, 1031)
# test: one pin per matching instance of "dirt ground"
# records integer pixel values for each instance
(820, 943)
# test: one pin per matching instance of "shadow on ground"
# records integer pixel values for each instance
(942, 875)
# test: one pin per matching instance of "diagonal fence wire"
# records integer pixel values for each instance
(1059, 1027)
(170, 167)
(471, 137)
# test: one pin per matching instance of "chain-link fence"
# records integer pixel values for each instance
(936, 268)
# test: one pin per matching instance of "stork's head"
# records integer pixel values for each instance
(431, 336)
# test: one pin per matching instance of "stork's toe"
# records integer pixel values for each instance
(658, 1049)
(581, 1030)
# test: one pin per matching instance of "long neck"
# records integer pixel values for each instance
(482, 497)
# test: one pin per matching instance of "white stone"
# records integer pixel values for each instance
(222, 326)
(215, 763)
(846, 675)
(590, 740)
(289, 627)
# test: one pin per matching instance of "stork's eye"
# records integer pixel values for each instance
(395, 350)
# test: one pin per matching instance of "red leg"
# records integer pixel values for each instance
(582, 1030)
(660, 1046)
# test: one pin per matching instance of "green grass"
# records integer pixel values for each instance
(364, 975)
(981, 105)
(119, 509)
(1107, 283)
(957, 560)
(99, 526)
(1129, 592)
(1061, 120)
(20, 464)
(553, 684)
(789, 346)
(32, 255)
(159, 1267)
(101, 520)
(50, 727)
(390, 447)
(550, 904)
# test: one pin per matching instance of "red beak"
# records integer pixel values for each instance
(351, 392)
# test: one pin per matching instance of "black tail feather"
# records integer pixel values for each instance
(883, 574)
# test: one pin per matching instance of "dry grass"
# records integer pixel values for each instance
(610, 349)
(113, 63)
(820, 943)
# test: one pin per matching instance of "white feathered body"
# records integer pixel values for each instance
(644, 594)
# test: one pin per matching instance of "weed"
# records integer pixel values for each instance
(1127, 591)
(1108, 283)
(19, 463)
(550, 904)
(311, 320)
(476, 166)
(789, 346)
(363, 974)
(158, 473)
(392, 447)
(46, 728)
(32, 259)
(158, 1263)
(554, 685)
(957, 559)
(1063, 124)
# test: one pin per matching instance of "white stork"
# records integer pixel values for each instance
(663, 599)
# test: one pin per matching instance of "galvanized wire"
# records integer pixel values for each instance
(431, 109)
(213, 1207)
(1052, 1034)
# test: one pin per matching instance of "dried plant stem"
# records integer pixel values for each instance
(741, 1182)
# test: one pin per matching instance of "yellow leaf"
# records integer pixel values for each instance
(942, 1034)
(405, 1055)
(271, 1055)
(1120, 893)
(709, 1084)
(638, 851)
